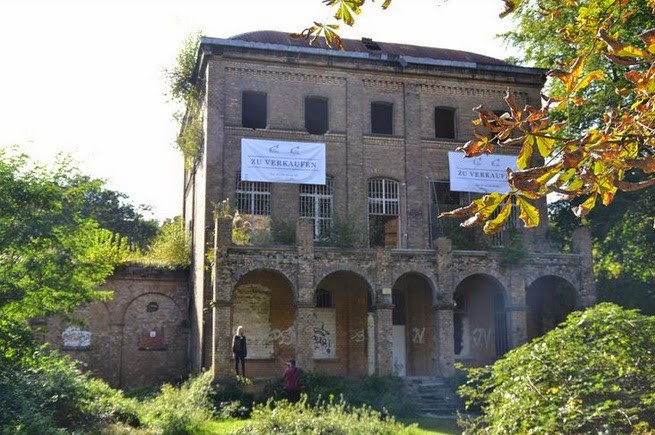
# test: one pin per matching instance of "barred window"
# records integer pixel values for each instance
(383, 210)
(383, 197)
(316, 203)
(323, 298)
(253, 197)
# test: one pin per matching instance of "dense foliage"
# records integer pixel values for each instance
(327, 417)
(593, 374)
(170, 248)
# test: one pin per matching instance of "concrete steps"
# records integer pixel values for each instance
(433, 396)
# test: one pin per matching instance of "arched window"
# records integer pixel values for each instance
(383, 210)
(316, 203)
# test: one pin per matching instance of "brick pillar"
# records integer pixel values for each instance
(581, 244)
(517, 319)
(115, 354)
(444, 329)
(221, 347)
(384, 339)
(222, 361)
(305, 337)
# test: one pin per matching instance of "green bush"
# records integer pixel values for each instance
(323, 418)
(379, 392)
(181, 410)
(593, 374)
(46, 393)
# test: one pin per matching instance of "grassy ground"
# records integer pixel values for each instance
(426, 426)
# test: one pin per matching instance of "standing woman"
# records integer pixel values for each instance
(240, 351)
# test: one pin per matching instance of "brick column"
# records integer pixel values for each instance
(444, 329)
(115, 354)
(305, 337)
(581, 244)
(222, 361)
(221, 347)
(517, 319)
(384, 339)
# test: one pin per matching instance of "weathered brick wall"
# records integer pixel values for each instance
(140, 337)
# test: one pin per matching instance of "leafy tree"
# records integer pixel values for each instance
(589, 161)
(551, 386)
(52, 257)
(112, 211)
(170, 248)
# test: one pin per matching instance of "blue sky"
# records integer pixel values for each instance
(86, 77)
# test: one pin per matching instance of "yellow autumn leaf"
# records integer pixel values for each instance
(526, 153)
(584, 208)
(545, 145)
(496, 224)
(529, 214)
(488, 204)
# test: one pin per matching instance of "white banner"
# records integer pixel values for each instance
(282, 162)
(484, 174)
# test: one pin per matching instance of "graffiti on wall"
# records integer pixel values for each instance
(324, 333)
(481, 337)
(418, 335)
(282, 337)
(76, 338)
(358, 336)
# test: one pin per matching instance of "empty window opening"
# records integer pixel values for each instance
(253, 197)
(253, 109)
(442, 199)
(398, 314)
(370, 44)
(316, 115)
(382, 118)
(444, 122)
(383, 210)
(323, 298)
(461, 325)
(316, 203)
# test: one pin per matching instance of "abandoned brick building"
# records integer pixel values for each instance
(355, 275)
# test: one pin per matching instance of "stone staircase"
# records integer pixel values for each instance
(433, 396)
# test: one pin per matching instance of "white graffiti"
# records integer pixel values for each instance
(284, 337)
(76, 337)
(418, 335)
(481, 337)
(358, 336)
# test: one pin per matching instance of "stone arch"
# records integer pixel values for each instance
(242, 272)
(342, 343)
(480, 330)
(425, 274)
(155, 341)
(483, 272)
(414, 332)
(549, 299)
(263, 302)
(363, 274)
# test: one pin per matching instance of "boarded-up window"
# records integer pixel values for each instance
(383, 210)
(253, 109)
(381, 118)
(316, 115)
(444, 122)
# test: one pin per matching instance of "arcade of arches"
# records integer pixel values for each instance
(342, 331)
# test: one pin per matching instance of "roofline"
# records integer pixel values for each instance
(380, 57)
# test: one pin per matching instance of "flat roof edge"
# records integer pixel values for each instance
(235, 43)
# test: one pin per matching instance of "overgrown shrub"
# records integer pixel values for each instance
(322, 418)
(378, 392)
(593, 374)
(46, 393)
(180, 410)
(169, 249)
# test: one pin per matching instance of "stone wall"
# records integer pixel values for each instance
(140, 337)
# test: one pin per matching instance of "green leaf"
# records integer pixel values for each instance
(497, 223)
(545, 145)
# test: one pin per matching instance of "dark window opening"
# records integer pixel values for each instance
(441, 194)
(398, 316)
(383, 231)
(444, 122)
(316, 115)
(253, 109)
(382, 118)
(370, 44)
(323, 298)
